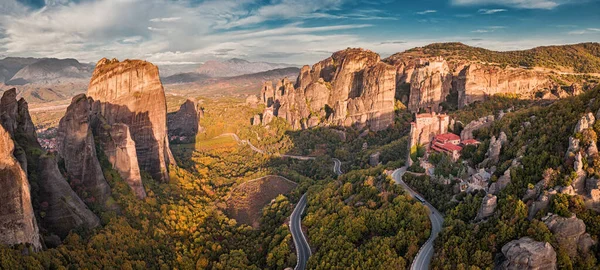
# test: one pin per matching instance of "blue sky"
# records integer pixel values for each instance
(298, 32)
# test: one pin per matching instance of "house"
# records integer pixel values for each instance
(448, 143)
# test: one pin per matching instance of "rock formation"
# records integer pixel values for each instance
(569, 233)
(493, 153)
(430, 83)
(352, 87)
(78, 150)
(185, 123)
(502, 182)
(476, 81)
(483, 122)
(120, 150)
(488, 206)
(130, 92)
(426, 126)
(526, 253)
(62, 209)
(17, 220)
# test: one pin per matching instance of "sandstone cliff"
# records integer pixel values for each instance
(184, 124)
(17, 220)
(78, 150)
(352, 87)
(130, 92)
(63, 209)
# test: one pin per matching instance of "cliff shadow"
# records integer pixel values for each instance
(153, 156)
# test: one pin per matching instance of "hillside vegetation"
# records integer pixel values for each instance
(579, 58)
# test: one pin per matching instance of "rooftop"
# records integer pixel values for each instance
(447, 137)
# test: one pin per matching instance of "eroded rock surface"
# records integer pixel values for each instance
(63, 209)
(130, 92)
(352, 87)
(569, 233)
(526, 253)
(78, 150)
(185, 123)
(17, 219)
(488, 206)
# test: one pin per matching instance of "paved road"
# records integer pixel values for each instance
(302, 248)
(303, 251)
(423, 258)
(337, 164)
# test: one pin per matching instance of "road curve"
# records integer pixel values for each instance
(423, 258)
(303, 251)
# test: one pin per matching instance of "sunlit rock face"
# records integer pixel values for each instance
(120, 149)
(430, 83)
(130, 92)
(526, 253)
(475, 82)
(352, 87)
(17, 220)
(77, 148)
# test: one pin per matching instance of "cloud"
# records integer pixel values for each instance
(480, 31)
(393, 42)
(526, 4)
(585, 31)
(491, 11)
(169, 19)
(426, 11)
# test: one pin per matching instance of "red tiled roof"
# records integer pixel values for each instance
(470, 141)
(446, 147)
(447, 137)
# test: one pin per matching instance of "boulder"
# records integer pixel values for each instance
(130, 92)
(541, 203)
(256, 120)
(488, 206)
(569, 233)
(585, 122)
(501, 183)
(527, 253)
(374, 159)
(17, 219)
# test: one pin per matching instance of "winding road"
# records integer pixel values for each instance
(423, 258)
(303, 251)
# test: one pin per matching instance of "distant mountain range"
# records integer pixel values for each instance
(21, 71)
(236, 67)
(195, 83)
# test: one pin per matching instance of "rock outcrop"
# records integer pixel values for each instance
(526, 253)
(17, 219)
(493, 153)
(476, 81)
(569, 233)
(483, 122)
(120, 150)
(352, 87)
(63, 209)
(78, 150)
(185, 123)
(502, 182)
(130, 92)
(430, 83)
(488, 206)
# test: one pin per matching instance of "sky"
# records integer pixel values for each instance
(283, 31)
